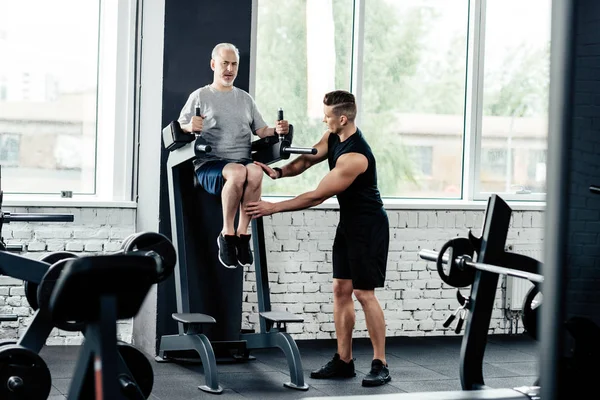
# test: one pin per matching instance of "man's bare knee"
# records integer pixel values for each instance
(254, 175)
(342, 288)
(235, 174)
(364, 296)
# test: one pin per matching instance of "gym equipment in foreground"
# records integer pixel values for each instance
(23, 373)
(99, 290)
(482, 276)
(203, 287)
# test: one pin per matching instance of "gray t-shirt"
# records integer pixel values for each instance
(230, 120)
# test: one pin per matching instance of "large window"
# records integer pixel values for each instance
(61, 65)
(430, 76)
(515, 96)
(303, 51)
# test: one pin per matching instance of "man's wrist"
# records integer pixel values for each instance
(279, 172)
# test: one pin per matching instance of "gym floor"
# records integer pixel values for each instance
(417, 364)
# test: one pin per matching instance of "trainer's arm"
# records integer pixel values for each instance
(305, 161)
(348, 168)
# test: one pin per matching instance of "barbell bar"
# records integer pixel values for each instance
(466, 261)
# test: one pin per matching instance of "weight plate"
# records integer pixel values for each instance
(127, 240)
(160, 244)
(44, 292)
(31, 288)
(456, 276)
(23, 374)
(138, 365)
(31, 294)
(531, 309)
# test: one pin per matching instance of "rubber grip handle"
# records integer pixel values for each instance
(449, 320)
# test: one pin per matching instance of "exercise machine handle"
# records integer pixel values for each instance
(280, 118)
(203, 148)
(595, 189)
(200, 147)
(8, 217)
(198, 114)
(299, 150)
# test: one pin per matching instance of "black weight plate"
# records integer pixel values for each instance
(23, 374)
(31, 294)
(127, 240)
(31, 288)
(455, 276)
(44, 292)
(531, 310)
(160, 244)
(138, 365)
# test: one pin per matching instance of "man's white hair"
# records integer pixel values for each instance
(227, 46)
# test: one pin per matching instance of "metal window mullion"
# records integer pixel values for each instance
(358, 41)
(125, 101)
(253, 48)
(474, 103)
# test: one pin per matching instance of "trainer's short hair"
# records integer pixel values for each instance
(343, 103)
(227, 46)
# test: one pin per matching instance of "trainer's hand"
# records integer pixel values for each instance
(257, 209)
(268, 170)
(197, 123)
(282, 127)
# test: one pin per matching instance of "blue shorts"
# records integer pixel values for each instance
(210, 174)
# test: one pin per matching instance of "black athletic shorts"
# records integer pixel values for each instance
(360, 250)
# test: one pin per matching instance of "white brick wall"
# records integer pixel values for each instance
(415, 301)
(93, 231)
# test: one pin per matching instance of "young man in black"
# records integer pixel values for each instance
(361, 242)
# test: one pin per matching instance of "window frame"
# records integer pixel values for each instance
(115, 114)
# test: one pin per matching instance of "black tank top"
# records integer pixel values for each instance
(362, 196)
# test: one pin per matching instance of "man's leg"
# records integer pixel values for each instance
(344, 317)
(231, 195)
(375, 321)
(252, 190)
(342, 364)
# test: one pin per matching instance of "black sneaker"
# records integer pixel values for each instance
(244, 254)
(335, 368)
(379, 374)
(227, 250)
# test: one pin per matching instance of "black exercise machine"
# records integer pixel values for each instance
(23, 373)
(458, 270)
(203, 288)
(97, 291)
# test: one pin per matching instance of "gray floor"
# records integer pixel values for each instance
(416, 364)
